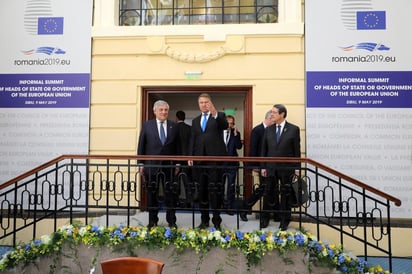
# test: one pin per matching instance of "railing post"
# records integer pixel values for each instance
(388, 206)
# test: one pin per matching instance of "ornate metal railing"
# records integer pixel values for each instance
(79, 187)
(185, 12)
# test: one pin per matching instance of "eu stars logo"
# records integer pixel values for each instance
(370, 20)
(50, 25)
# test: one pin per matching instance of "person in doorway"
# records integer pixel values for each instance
(254, 151)
(206, 140)
(184, 178)
(232, 139)
(159, 136)
(184, 131)
(282, 139)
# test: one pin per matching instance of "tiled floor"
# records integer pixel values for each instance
(186, 220)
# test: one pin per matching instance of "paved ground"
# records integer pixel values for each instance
(188, 220)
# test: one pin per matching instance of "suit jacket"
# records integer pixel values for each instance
(288, 146)
(150, 144)
(256, 142)
(233, 144)
(184, 136)
(210, 142)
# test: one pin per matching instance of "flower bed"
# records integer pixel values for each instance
(127, 240)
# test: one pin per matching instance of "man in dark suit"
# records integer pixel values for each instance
(159, 136)
(282, 139)
(254, 151)
(185, 175)
(232, 139)
(184, 131)
(207, 140)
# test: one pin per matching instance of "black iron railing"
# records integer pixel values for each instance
(76, 188)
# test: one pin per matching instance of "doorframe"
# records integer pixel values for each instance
(152, 93)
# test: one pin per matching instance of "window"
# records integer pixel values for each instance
(191, 12)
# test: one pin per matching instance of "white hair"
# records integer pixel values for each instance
(159, 103)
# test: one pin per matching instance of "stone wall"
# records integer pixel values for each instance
(217, 260)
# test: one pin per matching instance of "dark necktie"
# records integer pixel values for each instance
(204, 122)
(278, 133)
(162, 134)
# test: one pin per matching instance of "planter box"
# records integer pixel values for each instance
(217, 260)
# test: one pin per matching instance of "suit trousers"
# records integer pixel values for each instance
(209, 177)
(161, 190)
(277, 196)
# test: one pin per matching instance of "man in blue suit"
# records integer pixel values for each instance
(159, 136)
(207, 140)
(282, 139)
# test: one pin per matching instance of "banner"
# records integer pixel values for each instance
(359, 92)
(44, 82)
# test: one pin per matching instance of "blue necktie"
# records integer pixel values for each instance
(204, 122)
(162, 134)
(278, 133)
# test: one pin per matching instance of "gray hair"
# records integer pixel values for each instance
(268, 114)
(159, 103)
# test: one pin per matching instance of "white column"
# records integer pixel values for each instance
(106, 13)
(290, 11)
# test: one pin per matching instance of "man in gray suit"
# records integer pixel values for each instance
(207, 140)
(159, 136)
(281, 139)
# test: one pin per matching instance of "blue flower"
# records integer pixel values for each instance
(95, 229)
(263, 237)
(133, 234)
(300, 240)
(27, 247)
(279, 240)
(168, 233)
(118, 233)
(37, 242)
(227, 237)
(239, 235)
(341, 258)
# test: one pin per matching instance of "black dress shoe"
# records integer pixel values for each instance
(264, 223)
(243, 216)
(217, 226)
(284, 225)
(230, 212)
(151, 224)
(203, 225)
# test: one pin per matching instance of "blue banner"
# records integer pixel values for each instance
(363, 89)
(44, 90)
